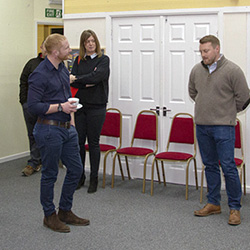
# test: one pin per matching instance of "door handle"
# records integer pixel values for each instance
(157, 110)
(165, 110)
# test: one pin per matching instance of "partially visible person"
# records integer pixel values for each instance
(55, 133)
(219, 89)
(34, 163)
(90, 74)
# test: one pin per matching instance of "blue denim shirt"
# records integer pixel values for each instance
(48, 85)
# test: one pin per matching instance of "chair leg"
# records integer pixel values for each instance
(120, 165)
(113, 171)
(195, 172)
(244, 178)
(163, 173)
(240, 175)
(104, 169)
(202, 178)
(129, 177)
(144, 177)
(241, 170)
(187, 168)
(158, 173)
(144, 173)
(152, 177)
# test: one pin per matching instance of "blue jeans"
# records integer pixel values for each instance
(58, 143)
(216, 143)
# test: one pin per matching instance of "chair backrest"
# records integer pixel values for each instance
(112, 126)
(146, 127)
(182, 130)
(238, 134)
(239, 138)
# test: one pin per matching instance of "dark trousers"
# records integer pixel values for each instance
(30, 121)
(89, 123)
(57, 143)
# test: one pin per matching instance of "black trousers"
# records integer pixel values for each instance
(89, 123)
(30, 121)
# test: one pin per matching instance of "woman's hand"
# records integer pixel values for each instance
(72, 78)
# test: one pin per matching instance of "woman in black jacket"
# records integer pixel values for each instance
(90, 75)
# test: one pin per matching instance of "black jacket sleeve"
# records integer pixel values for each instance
(99, 73)
(23, 86)
(29, 67)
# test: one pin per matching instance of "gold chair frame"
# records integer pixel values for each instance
(182, 161)
(144, 156)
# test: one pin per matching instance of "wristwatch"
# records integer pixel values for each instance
(60, 109)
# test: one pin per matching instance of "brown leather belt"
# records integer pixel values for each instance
(54, 123)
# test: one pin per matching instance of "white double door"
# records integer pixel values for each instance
(151, 61)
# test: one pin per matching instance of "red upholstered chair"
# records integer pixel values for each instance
(146, 128)
(112, 127)
(182, 132)
(239, 158)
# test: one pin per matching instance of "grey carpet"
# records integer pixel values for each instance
(121, 218)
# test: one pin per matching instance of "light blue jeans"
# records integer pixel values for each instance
(216, 143)
(58, 143)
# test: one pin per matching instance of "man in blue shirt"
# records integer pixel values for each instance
(55, 133)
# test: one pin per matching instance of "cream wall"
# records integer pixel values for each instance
(74, 28)
(17, 46)
(39, 11)
(235, 48)
(235, 38)
(235, 42)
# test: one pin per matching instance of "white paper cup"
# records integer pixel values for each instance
(74, 100)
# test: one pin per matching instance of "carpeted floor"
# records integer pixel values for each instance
(121, 218)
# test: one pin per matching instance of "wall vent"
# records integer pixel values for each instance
(55, 2)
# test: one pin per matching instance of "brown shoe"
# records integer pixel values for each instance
(70, 218)
(55, 224)
(28, 170)
(234, 217)
(208, 210)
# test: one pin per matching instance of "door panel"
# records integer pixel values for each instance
(182, 35)
(135, 72)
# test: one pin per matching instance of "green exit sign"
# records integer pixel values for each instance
(53, 13)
